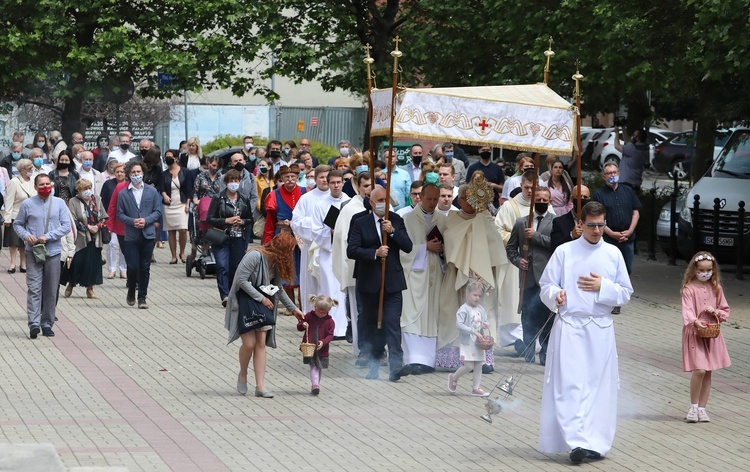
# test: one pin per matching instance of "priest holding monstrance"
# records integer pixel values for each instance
(472, 246)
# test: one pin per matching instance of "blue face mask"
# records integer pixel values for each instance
(362, 168)
(613, 179)
(16, 156)
(253, 157)
(38, 161)
(87, 164)
(136, 179)
(431, 178)
(449, 155)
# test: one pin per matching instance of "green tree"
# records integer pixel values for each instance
(58, 53)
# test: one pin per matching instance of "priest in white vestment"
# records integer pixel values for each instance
(323, 216)
(423, 268)
(302, 226)
(343, 267)
(471, 247)
(584, 280)
(507, 282)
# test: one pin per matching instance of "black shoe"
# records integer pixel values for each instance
(577, 455)
(519, 346)
(487, 369)
(47, 331)
(593, 455)
(419, 369)
(394, 377)
(12, 271)
(22, 270)
(34, 332)
(616, 310)
(130, 298)
(339, 338)
(361, 362)
(406, 370)
(349, 334)
(542, 360)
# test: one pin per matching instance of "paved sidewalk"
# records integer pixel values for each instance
(154, 390)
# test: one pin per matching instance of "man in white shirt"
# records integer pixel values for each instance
(88, 172)
(122, 154)
(445, 201)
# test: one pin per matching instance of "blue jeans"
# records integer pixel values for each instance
(627, 249)
(138, 257)
(227, 258)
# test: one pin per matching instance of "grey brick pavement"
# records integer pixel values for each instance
(153, 390)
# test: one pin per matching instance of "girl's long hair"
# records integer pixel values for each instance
(692, 268)
(280, 254)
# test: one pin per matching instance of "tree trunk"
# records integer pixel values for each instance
(71, 116)
(706, 129)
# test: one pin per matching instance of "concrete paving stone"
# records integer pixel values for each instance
(106, 366)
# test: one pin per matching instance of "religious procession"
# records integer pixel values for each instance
(434, 267)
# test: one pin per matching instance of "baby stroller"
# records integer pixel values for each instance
(204, 261)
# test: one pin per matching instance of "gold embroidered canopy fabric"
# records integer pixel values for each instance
(524, 117)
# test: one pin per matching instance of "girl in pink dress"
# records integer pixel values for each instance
(702, 303)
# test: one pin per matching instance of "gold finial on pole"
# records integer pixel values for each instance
(549, 53)
(577, 77)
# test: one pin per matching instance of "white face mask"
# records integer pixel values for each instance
(380, 209)
(40, 143)
(87, 194)
(704, 276)
(233, 186)
(344, 151)
(310, 183)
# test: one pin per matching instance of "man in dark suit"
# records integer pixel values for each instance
(366, 248)
(567, 227)
(138, 208)
(534, 314)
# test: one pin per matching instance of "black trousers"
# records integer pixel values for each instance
(534, 315)
(374, 340)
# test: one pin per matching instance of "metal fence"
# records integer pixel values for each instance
(323, 124)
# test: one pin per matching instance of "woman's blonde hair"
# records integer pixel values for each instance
(323, 302)
(83, 184)
(692, 268)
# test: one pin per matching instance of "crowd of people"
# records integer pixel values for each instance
(454, 262)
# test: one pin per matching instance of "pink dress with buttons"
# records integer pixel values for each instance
(703, 353)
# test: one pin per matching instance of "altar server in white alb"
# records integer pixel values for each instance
(424, 268)
(302, 216)
(584, 279)
(324, 226)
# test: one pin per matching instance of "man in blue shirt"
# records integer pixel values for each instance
(400, 182)
(42, 219)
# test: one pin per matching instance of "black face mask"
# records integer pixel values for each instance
(575, 203)
(541, 208)
(275, 154)
(63, 165)
(144, 152)
(486, 155)
(416, 160)
(169, 161)
(239, 167)
(124, 147)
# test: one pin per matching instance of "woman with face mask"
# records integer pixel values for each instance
(176, 197)
(40, 141)
(64, 178)
(231, 213)
(88, 217)
(21, 187)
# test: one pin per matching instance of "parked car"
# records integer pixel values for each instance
(608, 151)
(728, 182)
(587, 144)
(662, 223)
(673, 156)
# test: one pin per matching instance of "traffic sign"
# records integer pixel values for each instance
(300, 126)
(313, 121)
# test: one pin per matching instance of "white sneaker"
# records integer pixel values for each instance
(692, 415)
(703, 416)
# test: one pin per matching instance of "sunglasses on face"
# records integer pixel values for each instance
(596, 225)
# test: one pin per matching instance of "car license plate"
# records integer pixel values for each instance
(709, 240)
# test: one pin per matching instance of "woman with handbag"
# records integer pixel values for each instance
(176, 196)
(251, 307)
(21, 188)
(471, 319)
(89, 218)
(230, 215)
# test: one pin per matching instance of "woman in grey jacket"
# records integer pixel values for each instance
(261, 265)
